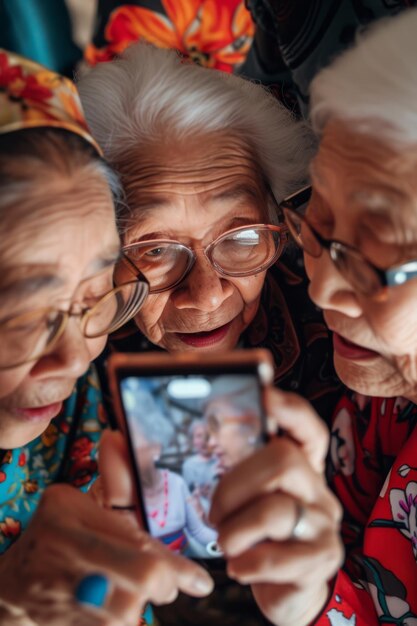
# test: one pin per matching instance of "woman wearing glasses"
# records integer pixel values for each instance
(358, 229)
(64, 559)
(201, 155)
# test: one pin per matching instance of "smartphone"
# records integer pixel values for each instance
(188, 419)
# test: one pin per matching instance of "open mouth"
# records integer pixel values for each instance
(205, 338)
(349, 350)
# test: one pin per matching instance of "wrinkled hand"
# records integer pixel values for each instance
(255, 509)
(71, 536)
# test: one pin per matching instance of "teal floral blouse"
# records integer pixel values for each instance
(65, 452)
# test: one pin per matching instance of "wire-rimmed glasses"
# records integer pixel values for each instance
(239, 252)
(26, 337)
(364, 276)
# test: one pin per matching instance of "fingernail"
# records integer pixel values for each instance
(203, 583)
(92, 590)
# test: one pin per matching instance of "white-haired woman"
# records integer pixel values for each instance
(202, 156)
(359, 235)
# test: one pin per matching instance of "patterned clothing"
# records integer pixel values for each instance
(306, 35)
(213, 33)
(65, 452)
(373, 467)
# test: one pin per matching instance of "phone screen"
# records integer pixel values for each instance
(185, 432)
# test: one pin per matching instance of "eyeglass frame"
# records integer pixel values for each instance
(66, 314)
(282, 229)
(387, 278)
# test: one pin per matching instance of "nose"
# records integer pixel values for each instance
(202, 289)
(70, 357)
(328, 288)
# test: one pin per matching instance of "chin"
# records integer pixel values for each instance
(371, 377)
(15, 437)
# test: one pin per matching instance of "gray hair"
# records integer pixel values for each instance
(31, 154)
(373, 86)
(149, 93)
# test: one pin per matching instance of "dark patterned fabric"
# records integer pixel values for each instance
(306, 35)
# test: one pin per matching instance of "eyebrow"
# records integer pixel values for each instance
(48, 280)
(29, 285)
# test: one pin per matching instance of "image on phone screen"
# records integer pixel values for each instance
(185, 432)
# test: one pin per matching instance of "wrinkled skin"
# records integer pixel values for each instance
(208, 191)
(365, 194)
(64, 264)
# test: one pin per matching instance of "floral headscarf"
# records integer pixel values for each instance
(31, 96)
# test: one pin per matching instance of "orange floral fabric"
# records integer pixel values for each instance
(213, 33)
(32, 96)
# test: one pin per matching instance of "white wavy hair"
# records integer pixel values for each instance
(129, 100)
(373, 86)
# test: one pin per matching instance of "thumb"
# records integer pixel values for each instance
(297, 418)
(117, 483)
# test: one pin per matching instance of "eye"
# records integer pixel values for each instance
(156, 252)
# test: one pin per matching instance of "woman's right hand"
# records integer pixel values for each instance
(287, 559)
(71, 536)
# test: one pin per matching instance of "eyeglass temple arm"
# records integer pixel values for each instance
(131, 266)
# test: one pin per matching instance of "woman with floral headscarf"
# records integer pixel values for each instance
(65, 557)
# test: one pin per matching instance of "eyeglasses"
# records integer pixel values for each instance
(364, 276)
(242, 251)
(27, 337)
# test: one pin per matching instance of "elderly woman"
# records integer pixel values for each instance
(358, 235)
(65, 559)
(201, 156)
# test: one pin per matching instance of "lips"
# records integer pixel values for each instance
(39, 414)
(206, 338)
(349, 350)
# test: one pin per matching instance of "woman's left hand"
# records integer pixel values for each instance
(278, 522)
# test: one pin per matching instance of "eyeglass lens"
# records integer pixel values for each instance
(353, 267)
(32, 334)
(245, 251)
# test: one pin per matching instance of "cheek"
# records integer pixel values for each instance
(96, 346)
(10, 380)
(250, 287)
(149, 319)
(395, 323)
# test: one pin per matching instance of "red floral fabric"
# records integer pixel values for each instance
(373, 467)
